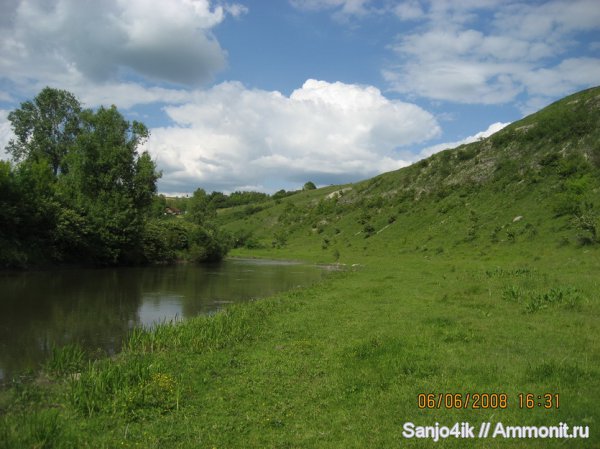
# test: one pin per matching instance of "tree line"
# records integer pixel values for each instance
(78, 190)
(208, 203)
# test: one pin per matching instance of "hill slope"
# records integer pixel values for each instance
(544, 169)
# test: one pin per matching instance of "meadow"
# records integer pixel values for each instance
(340, 364)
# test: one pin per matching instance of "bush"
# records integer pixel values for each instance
(595, 155)
(572, 164)
(11, 255)
(364, 217)
(279, 239)
(468, 152)
(165, 240)
(566, 203)
(208, 245)
(588, 222)
(155, 246)
(244, 238)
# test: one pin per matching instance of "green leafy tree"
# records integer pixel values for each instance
(28, 213)
(200, 209)
(9, 200)
(10, 218)
(219, 200)
(81, 191)
(208, 244)
(309, 186)
(110, 184)
(45, 128)
(159, 205)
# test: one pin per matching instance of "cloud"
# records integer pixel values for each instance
(5, 96)
(546, 84)
(564, 77)
(343, 7)
(230, 136)
(550, 20)
(481, 51)
(457, 81)
(428, 151)
(126, 94)
(5, 133)
(409, 10)
(491, 52)
(70, 41)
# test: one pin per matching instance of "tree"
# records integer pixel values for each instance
(110, 184)
(219, 200)
(45, 128)
(200, 209)
(28, 213)
(79, 189)
(10, 218)
(309, 186)
(159, 205)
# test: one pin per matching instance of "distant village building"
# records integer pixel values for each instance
(172, 211)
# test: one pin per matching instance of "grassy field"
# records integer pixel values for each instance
(341, 364)
(472, 272)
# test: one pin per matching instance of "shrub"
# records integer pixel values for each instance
(572, 164)
(280, 239)
(364, 217)
(588, 222)
(469, 152)
(566, 203)
(208, 245)
(244, 238)
(155, 248)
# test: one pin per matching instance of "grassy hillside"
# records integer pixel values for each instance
(446, 292)
(544, 168)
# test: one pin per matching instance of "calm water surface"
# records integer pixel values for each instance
(98, 307)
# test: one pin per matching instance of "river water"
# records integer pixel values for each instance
(97, 308)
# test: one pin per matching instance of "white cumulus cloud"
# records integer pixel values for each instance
(230, 136)
(5, 133)
(492, 129)
(491, 52)
(85, 43)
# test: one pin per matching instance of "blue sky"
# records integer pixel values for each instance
(268, 94)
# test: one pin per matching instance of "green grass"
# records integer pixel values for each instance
(67, 359)
(341, 364)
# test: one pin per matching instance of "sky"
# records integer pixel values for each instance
(269, 94)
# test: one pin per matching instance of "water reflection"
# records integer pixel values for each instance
(97, 308)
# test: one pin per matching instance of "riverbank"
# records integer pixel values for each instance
(341, 363)
(97, 309)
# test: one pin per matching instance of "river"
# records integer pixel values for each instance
(97, 308)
